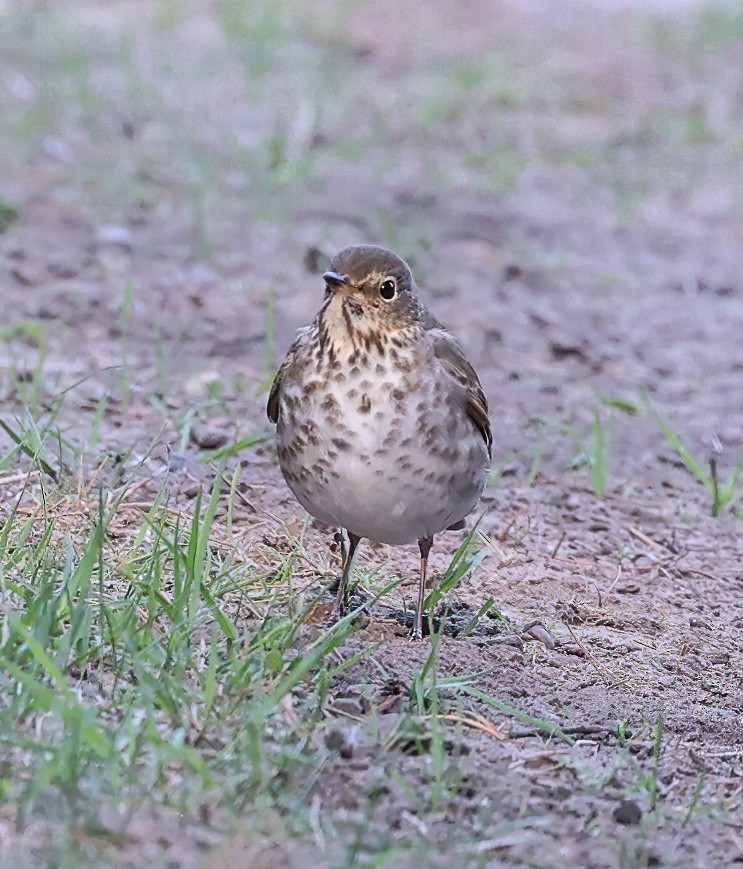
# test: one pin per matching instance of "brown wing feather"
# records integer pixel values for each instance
(272, 405)
(452, 357)
(274, 396)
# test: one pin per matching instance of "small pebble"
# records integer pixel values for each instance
(113, 234)
(208, 437)
(354, 706)
(177, 461)
(627, 812)
(539, 632)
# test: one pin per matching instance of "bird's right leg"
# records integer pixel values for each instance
(341, 603)
(425, 547)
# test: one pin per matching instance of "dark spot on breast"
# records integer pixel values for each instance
(365, 405)
(341, 444)
(318, 469)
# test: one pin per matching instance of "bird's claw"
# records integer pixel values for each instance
(338, 612)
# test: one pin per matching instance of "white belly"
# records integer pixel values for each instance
(384, 463)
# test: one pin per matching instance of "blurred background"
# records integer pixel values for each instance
(566, 182)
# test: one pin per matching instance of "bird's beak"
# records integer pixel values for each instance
(335, 281)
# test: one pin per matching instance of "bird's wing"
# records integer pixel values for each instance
(452, 357)
(272, 405)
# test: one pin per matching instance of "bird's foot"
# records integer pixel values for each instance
(339, 611)
(416, 634)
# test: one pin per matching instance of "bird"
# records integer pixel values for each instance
(382, 424)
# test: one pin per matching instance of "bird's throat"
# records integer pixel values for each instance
(344, 324)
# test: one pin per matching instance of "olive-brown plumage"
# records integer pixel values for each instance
(382, 424)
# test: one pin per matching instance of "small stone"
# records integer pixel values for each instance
(208, 437)
(355, 706)
(114, 234)
(177, 461)
(539, 632)
(28, 276)
(334, 739)
(512, 271)
(202, 275)
(627, 813)
(337, 740)
(699, 623)
(192, 489)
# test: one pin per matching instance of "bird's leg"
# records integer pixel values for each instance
(338, 545)
(425, 547)
(340, 607)
(340, 540)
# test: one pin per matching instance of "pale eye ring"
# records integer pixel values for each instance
(388, 289)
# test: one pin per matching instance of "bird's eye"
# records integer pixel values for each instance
(388, 289)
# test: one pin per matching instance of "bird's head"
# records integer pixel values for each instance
(369, 290)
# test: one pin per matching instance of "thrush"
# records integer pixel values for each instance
(382, 425)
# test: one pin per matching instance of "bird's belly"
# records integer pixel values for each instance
(390, 467)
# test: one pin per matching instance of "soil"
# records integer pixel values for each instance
(610, 613)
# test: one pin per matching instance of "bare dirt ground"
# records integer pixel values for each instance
(567, 184)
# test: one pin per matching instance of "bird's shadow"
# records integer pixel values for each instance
(454, 619)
